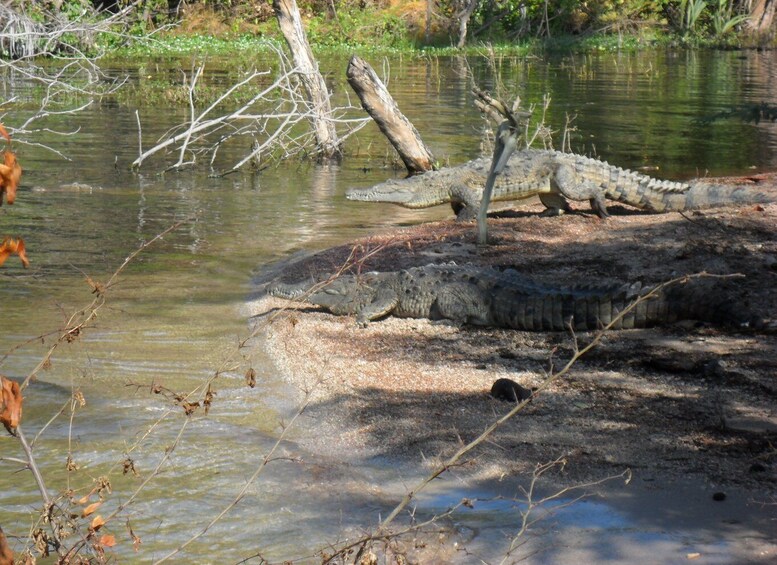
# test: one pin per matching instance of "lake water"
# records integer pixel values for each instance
(175, 317)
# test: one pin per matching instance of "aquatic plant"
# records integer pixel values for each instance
(723, 18)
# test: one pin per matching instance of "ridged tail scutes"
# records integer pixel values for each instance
(586, 308)
(702, 195)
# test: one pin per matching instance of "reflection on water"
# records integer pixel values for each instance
(175, 316)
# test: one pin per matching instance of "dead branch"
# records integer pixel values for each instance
(265, 123)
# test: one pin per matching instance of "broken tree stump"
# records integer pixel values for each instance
(290, 22)
(380, 105)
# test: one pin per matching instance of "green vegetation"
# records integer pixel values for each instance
(214, 27)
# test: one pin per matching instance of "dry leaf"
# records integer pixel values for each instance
(13, 247)
(10, 174)
(251, 377)
(6, 555)
(70, 465)
(10, 404)
(208, 400)
(97, 523)
(136, 541)
(90, 509)
(129, 467)
(4, 133)
(107, 540)
(84, 499)
(189, 407)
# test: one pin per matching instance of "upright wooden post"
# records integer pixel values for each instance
(290, 22)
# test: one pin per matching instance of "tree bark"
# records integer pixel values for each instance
(761, 16)
(290, 22)
(380, 105)
(463, 16)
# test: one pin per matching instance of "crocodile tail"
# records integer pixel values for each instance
(701, 195)
(592, 308)
(709, 300)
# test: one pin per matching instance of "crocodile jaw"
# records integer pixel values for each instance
(396, 192)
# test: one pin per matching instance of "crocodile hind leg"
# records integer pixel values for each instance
(599, 206)
(568, 184)
(462, 303)
(555, 204)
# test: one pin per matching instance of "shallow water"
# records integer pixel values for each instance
(176, 315)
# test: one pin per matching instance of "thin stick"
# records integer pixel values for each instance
(454, 459)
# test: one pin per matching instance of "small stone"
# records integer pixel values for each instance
(719, 496)
(509, 391)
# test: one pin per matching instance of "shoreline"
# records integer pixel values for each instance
(373, 377)
(687, 410)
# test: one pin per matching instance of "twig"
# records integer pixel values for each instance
(551, 378)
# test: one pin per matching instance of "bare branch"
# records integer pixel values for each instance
(267, 120)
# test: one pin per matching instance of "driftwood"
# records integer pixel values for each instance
(290, 22)
(380, 105)
(505, 144)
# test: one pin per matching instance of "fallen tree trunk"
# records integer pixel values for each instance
(380, 105)
(290, 22)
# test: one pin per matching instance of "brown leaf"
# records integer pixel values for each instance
(6, 555)
(10, 247)
(189, 407)
(10, 174)
(70, 465)
(208, 400)
(97, 523)
(251, 377)
(4, 133)
(129, 467)
(90, 509)
(136, 541)
(107, 540)
(10, 404)
(84, 499)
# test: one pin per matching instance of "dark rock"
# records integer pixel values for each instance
(509, 391)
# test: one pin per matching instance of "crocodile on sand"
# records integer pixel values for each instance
(489, 297)
(554, 177)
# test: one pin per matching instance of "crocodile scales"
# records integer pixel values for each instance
(489, 297)
(555, 177)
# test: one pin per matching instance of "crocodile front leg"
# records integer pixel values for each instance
(465, 202)
(382, 305)
(567, 182)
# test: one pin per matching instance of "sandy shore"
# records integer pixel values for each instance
(689, 402)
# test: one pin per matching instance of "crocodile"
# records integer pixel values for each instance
(467, 294)
(554, 177)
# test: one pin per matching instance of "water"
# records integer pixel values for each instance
(175, 317)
